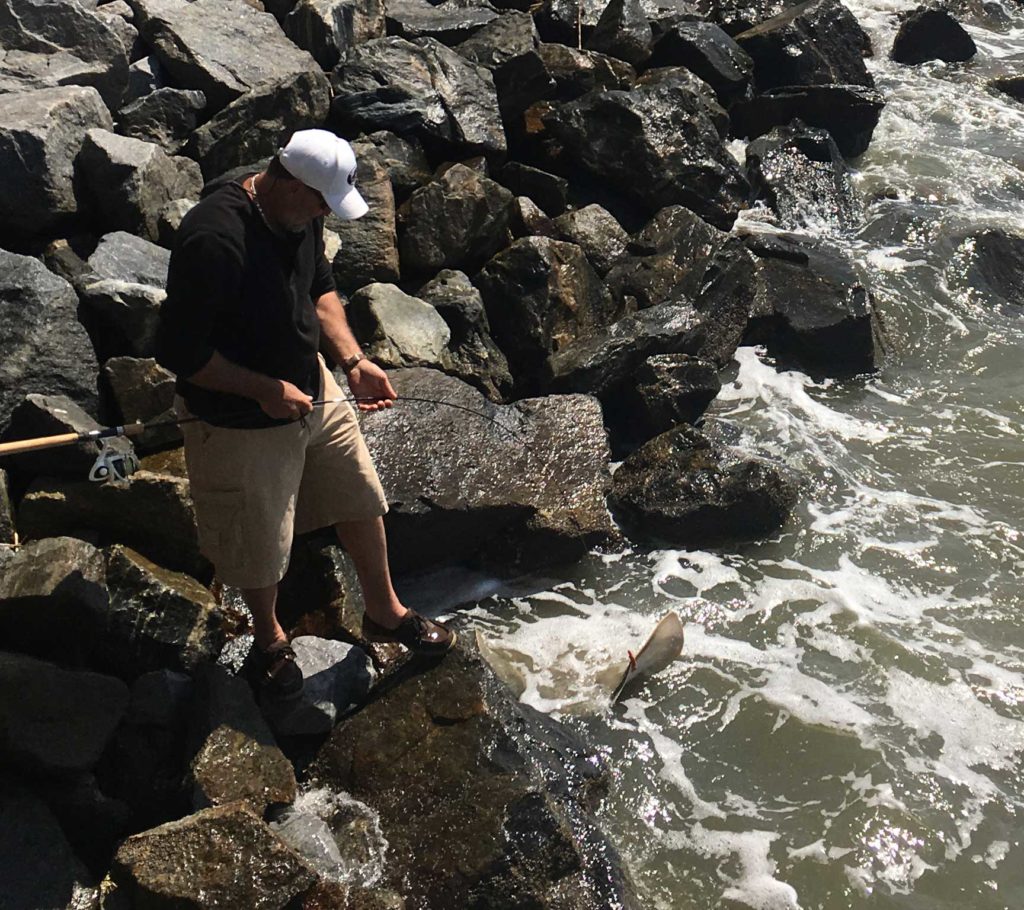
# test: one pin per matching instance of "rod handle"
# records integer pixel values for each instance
(43, 442)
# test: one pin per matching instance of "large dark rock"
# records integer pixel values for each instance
(128, 181)
(567, 22)
(656, 144)
(576, 72)
(996, 266)
(681, 488)
(474, 357)
(43, 348)
(526, 492)
(811, 307)
(818, 42)
(1010, 85)
(120, 513)
(398, 330)
(404, 162)
(328, 28)
(801, 174)
(595, 231)
(449, 22)
(736, 16)
(157, 619)
(165, 117)
(622, 31)
(420, 88)
(53, 415)
(849, 112)
(508, 47)
(37, 864)
(55, 721)
(41, 133)
(7, 528)
(549, 191)
(519, 835)
(53, 595)
(540, 295)
(121, 256)
(254, 125)
(674, 389)
(210, 45)
(143, 391)
(369, 245)
(458, 221)
(709, 53)
(60, 42)
(225, 856)
(235, 756)
(931, 33)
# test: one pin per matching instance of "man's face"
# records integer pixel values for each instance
(302, 205)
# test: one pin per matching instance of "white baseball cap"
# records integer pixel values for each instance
(326, 163)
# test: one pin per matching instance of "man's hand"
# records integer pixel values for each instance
(369, 381)
(284, 401)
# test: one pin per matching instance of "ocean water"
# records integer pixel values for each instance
(846, 726)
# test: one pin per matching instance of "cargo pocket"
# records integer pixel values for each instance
(219, 521)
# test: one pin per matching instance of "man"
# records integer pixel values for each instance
(250, 302)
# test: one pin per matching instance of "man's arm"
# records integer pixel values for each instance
(365, 379)
(277, 397)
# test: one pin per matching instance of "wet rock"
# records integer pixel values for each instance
(818, 42)
(540, 295)
(160, 699)
(508, 47)
(527, 219)
(449, 22)
(397, 330)
(595, 231)
(129, 181)
(1010, 85)
(422, 89)
(548, 191)
(849, 113)
(37, 864)
(811, 307)
(53, 415)
(406, 165)
(43, 347)
(235, 755)
(458, 221)
(622, 31)
(53, 595)
(996, 266)
(931, 33)
(474, 357)
(710, 54)
(529, 491)
(337, 676)
(320, 594)
(328, 28)
(568, 22)
(183, 863)
(369, 245)
(41, 133)
(253, 126)
(520, 834)
(55, 721)
(656, 143)
(705, 94)
(120, 513)
(576, 72)
(674, 389)
(157, 619)
(62, 43)
(736, 16)
(680, 488)
(801, 174)
(208, 45)
(164, 117)
(143, 391)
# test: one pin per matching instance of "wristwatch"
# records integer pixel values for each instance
(349, 362)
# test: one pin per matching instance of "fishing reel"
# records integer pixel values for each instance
(112, 464)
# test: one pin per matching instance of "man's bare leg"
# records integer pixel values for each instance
(266, 629)
(367, 544)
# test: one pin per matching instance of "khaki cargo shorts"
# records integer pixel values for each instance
(253, 489)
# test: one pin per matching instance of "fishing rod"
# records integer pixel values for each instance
(111, 463)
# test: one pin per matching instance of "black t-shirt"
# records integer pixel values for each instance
(236, 287)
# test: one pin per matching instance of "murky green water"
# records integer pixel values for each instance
(846, 728)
